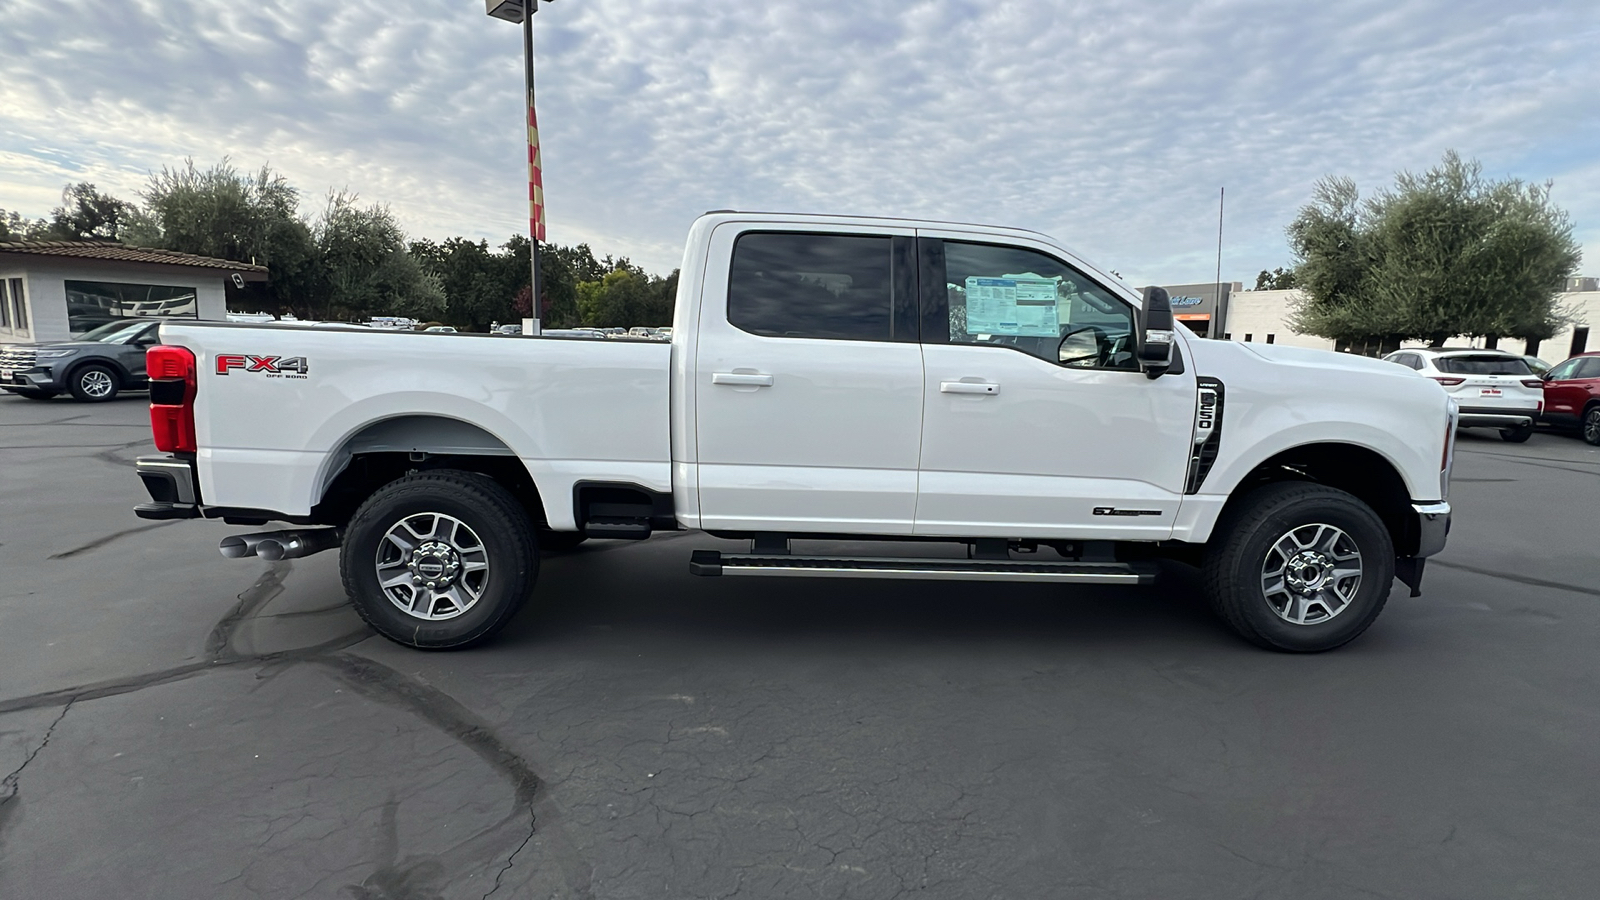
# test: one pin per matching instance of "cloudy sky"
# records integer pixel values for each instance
(1110, 125)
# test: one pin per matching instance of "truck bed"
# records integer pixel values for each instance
(273, 432)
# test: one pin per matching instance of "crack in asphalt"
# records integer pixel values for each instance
(13, 783)
(97, 543)
(396, 879)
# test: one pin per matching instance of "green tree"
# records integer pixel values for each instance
(227, 214)
(1442, 253)
(1279, 279)
(14, 227)
(364, 265)
(86, 213)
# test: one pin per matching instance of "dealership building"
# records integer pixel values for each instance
(1263, 317)
(57, 290)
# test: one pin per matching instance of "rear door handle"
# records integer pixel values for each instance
(741, 378)
(968, 387)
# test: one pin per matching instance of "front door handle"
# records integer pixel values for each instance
(968, 387)
(745, 378)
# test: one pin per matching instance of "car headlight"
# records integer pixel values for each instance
(54, 354)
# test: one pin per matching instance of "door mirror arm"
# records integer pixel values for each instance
(1156, 335)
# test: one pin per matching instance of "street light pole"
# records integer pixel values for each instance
(521, 12)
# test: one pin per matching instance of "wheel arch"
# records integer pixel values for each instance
(384, 449)
(124, 377)
(1361, 471)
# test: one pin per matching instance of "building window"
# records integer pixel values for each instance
(19, 309)
(1580, 340)
(1248, 336)
(1227, 335)
(91, 304)
(5, 306)
(1272, 338)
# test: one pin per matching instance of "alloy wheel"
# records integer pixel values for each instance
(1311, 574)
(96, 383)
(432, 566)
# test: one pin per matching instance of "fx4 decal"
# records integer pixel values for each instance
(271, 366)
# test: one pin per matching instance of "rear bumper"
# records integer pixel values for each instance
(171, 482)
(1497, 417)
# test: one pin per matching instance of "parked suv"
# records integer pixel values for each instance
(1572, 395)
(1495, 389)
(94, 367)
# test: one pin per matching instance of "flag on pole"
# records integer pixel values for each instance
(535, 177)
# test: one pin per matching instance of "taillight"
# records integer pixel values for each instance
(172, 384)
(1448, 382)
(1532, 382)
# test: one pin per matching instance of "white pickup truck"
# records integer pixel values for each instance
(836, 378)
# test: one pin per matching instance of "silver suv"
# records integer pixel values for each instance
(93, 368)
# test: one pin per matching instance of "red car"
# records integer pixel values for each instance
(1572, 395)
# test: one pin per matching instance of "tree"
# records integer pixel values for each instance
(227, 214)
(13, 227)
(365, 267)
(86, 213)
(1442, 253)
(1279, 279)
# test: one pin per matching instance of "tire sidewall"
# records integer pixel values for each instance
(1377, 559)
(1591, 435)
(512, 566)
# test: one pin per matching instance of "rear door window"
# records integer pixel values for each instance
(1483, 365)
(827, 286)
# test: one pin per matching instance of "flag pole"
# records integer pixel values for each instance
(535, 165)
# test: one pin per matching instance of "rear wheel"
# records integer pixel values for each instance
(94, 384)
(1518, 435)
(1591, 425)
(1299, 567)
(439, 560)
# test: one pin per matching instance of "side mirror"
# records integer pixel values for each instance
(1155, 333)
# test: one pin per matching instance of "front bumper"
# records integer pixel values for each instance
(172, 486)
(1433, 526)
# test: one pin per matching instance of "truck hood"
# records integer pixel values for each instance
(1324, 358)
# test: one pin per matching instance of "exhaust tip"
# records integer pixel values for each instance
(237, 547)
(270, 549)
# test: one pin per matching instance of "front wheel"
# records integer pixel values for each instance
(1591, 426)
(439, 560)
(94, 384)
(1299, 567)
(35, 395)
(1518, 435)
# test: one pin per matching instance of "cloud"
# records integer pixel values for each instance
(1108, 124)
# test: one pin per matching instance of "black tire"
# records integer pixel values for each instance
(560, 541)
(1242, 548)
(94, 384)
(1591, 425)
(494, 520)
(1516, 435)
(35, 395)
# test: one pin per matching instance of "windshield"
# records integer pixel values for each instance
(115, 332)
(1483, 365)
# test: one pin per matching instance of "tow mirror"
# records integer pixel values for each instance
(1155, 333)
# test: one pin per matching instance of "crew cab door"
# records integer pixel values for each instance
(1037, 421)
(808, 380)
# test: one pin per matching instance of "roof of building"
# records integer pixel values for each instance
(116, 252)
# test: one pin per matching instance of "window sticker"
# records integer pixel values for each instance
(1022, 305)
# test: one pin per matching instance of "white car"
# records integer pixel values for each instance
(1494, 389)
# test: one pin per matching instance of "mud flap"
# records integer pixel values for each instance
(1409, 570)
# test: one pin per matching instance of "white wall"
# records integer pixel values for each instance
(47, 291)
(1260, 313)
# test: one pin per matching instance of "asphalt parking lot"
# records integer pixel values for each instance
(179, 725)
